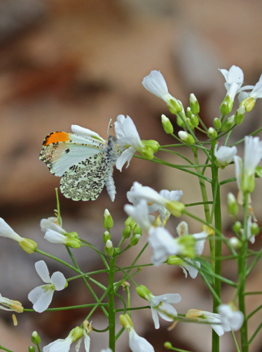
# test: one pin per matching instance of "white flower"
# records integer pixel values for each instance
(60, 345)
(156, 84)
(161, 305)
(106, 350)
(41, 296)
(11, 305)
(140, 214)
(245, 171)
(234, 80)
(8, 232)
(224, 155)
(231, 319)
(226, 320)
(138, 343)
(127, 137)
(189, 266)
(250, 236)
(163, 245)
(138, 192)
(256, 92)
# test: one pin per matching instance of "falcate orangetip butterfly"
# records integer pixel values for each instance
(83, 160)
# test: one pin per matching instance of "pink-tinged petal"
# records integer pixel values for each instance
(58, 280)
(42, 271)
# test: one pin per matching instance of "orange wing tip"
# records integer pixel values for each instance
(55, 137)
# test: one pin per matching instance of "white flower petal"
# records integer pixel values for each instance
(7, 231)
(138, 343)
(155, 318)
(156, 84)
(41, 299)
(58, 280)
(139, 213)
(60, 345)
(86, 341)
(225, 154)
(51, 224)
(42, 271)
(125, 157)
(54, 237)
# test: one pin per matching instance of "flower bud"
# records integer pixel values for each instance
(194, 105)
(137, 230)
(186, 137)
(73, 242)
(126, 232)
(130, 222)
(194, 120)
(248, 103)
(174, 106)
(174, 260)
(217, 123)
(108, 220)
(226, 105)
(167, 125)
(35, 338)
(151, 144)
(188, 112)
(232, 206)
(235, 243)
(28, 245)
(168, 345)
(240, 114)
(254, 229)
(143, 292)
(109, 249)
(237, 227)
(212, 133)
(228, 124)
(31, 349)
(134, 240)
(180, 122)
(126, 321)
(106, 236)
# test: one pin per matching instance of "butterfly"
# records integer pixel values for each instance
(83, 160)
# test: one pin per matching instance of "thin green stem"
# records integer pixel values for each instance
(111, 304)
(242, 263)
(255, 333)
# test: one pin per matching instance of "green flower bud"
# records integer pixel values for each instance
(130, 222)
(258, 172)
(35, 338)
(143, 292)
(194, 105)
(254, 228)
(126, 232)
(108, 220)
(194, 120)
(212, 133)
(31, 349)
(167, 125)
(109, 249)
(174, 260)
(235, 243)
(71, 234)
(28, 245)
(126, 321)
(226, 106)
(73, 242)
(174, 106)
(237, 227)
(76, 333)
(186, 137)
(232, 206)
(217, 123)
(134, 240)
(180, 121)
(168, 345)
(228, 124)
(137, 230)
(188, 112)
(240, 114)
(106, 236)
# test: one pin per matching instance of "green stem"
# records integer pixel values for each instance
(242, 264)
(218, 244)
(111, 304)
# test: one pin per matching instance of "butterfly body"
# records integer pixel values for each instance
(85, 164)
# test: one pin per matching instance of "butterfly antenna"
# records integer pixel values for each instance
(109, 126)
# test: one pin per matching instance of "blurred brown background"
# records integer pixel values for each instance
(81, 62)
